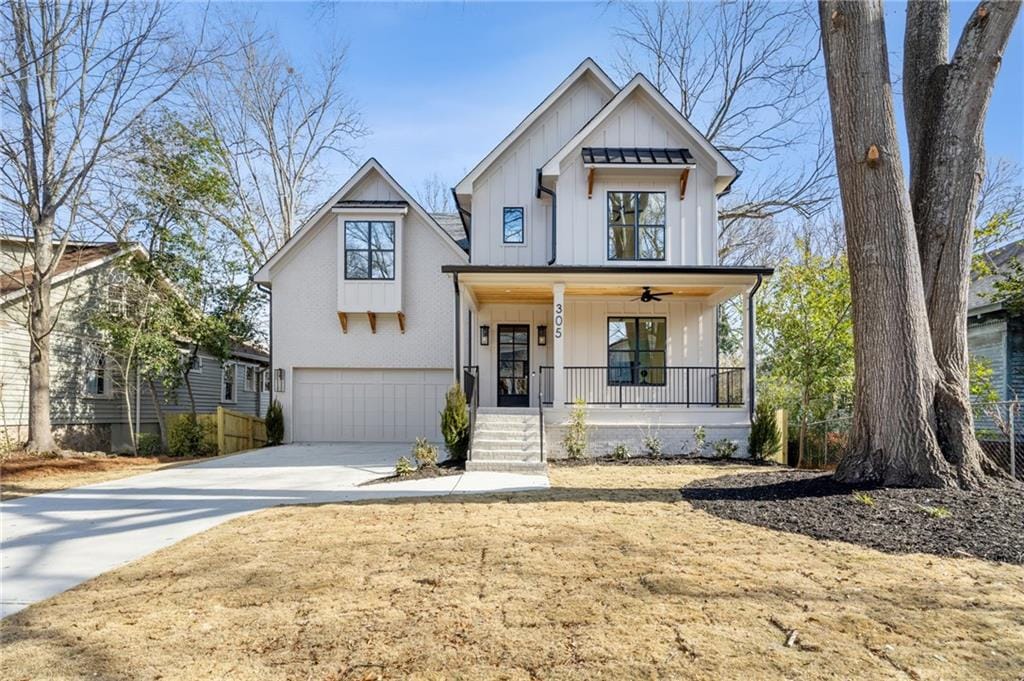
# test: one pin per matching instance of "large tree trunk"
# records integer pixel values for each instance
(893, 439)
(40, 431)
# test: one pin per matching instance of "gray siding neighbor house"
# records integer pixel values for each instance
(995, 333)
(87, 393)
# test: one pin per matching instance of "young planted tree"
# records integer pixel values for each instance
(910, 245)
(805, 332)
(76, 78)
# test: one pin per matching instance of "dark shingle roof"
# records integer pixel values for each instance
(636, 156)
(371, 204)
(452, 224)
(74, 258)
(997, 259)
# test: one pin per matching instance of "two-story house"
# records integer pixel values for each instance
(583, 268)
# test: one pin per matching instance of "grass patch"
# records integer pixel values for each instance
(609, 574)
(28, 475)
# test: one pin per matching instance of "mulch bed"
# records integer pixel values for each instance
(986, 524)
(441, 470)
(678, 460)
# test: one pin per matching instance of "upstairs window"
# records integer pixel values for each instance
(369, 249)
(636, 225)
(512, 226)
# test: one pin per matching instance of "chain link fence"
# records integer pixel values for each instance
(997, 425)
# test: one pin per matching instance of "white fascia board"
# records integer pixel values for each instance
(465, 186)
(725, 170)
(262, 275)
(368, 210)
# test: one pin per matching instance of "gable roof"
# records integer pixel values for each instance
(587, 67)
(76, 258)
(725, 170)
(262, 275)
(979, 298)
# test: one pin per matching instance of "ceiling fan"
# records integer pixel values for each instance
(647, 296)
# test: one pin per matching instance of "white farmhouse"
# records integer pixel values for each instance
(582, 266)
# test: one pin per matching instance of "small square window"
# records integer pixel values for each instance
(512, 226)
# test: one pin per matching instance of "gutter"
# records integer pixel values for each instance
(728, 187)
(554, 216)
(750, 342)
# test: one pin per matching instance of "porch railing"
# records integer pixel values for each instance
(634, 385)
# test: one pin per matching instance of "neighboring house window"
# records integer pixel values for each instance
(265, 380)
(97, 376)
(227, 392)
(117, 293)
(250, 379)
(194, 363)
(636, 225)
(369, 249)
(512, 226)
(636, 350)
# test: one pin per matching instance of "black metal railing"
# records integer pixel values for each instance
(540, 409)
(686, 386)
(547, 384)
(471, 386)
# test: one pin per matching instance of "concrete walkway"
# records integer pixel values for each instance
(52, 542)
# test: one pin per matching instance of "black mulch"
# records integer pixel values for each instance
(443, 469)
(676, 460)
(986, 524)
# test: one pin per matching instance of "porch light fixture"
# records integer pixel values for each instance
(542, 335)
(485, 334)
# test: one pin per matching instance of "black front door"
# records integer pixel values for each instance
(513, 365)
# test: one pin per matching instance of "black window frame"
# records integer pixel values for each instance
(522, 225)
(636, 226)
(370, 250)
(635, 367)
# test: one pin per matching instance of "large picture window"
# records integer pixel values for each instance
(636, 225)
(636, 350)
(369, 249)
(512, 226)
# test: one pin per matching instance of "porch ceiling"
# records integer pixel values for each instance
(538, 293)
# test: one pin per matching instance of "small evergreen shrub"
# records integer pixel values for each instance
(404, 467)
(575, 440)
(149, 444)
(700, 440)
(620, 453)
(275, 423)
(725, 448)
(764, 436)
(424, 452)
(187, 436)
(455, 424)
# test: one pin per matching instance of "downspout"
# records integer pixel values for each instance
(750, 343)
(458, 320)
(270, 352)
(554, 216)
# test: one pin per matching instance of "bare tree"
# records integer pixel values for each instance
(1000, 213)
(278, 128)
(909, 247)
(747, 74)
(435, 195)
(78, 76)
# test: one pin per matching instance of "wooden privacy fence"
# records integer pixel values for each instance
(230, 431)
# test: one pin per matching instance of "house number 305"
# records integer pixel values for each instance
(558, 320)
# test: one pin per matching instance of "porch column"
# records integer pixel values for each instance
(747, 346)
(558, 384)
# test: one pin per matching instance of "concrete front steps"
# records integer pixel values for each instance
(506, 440)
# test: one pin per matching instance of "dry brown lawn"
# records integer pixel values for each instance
(24, 476)
(608, 575)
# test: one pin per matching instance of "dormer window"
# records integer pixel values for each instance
(369, 249)
(636, 225)
(512, 226)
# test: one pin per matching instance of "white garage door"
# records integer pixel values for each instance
(360, 405)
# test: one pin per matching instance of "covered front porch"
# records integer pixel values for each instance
(545, 337)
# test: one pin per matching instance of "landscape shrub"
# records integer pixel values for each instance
(455, 424)
(725, 448)
(652, 445)
(188, 436)
(424, 452)
(575, 440)
(404, 467)
(275, 423)
(620, 453)
(764, 435)
(700, 440)
(149, 444)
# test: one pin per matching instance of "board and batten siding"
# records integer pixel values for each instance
(511, 181)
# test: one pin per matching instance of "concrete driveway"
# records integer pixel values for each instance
(52, 542)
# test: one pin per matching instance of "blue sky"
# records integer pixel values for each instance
(440, 84)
